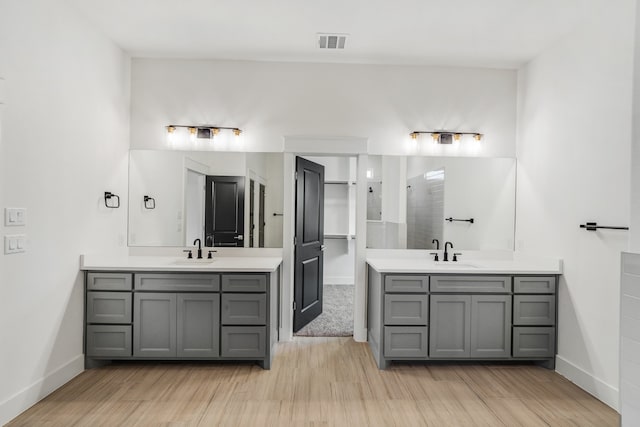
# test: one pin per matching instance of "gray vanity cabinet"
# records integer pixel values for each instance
(461, 316)
(142, 315)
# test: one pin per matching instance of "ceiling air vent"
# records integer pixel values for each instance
(331, 41)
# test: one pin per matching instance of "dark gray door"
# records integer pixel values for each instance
(261, 222)
(224, 211)
(252, 209)
(309, 242)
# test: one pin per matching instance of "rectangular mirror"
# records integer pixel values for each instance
(222, 198)
(468, 201)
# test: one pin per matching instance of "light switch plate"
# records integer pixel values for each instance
(15, 243)
(15, 217)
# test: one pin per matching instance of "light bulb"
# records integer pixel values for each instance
(171, 134)
(192, 134)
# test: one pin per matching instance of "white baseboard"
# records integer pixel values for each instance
(586, 381)
(29, 396)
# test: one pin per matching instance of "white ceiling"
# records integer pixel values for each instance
(485, 33)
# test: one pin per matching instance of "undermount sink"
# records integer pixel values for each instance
(454, 264)
(193, 261)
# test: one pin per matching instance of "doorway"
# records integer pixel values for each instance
(336, 279)
(224, 211)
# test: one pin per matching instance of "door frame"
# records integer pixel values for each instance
(258, 179)
(333, 147)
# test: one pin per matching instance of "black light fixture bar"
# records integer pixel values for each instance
(437, 134)
(213, 130)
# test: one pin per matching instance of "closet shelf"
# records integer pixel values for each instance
(339, 182)
(340, 236)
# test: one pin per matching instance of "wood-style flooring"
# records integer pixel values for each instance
(318, 382)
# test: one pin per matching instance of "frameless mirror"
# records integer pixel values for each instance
(468, 201)
(222, 198)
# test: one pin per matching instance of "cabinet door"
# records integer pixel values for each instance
(243, 341)
(108, 307)
(406, 309)
(534, 341)
(490, 326)
(154, 320)
(109, 340)
(109, 281)
(406, 283)
(534, 310)
(244, 283)
(405, 342)
(244, 309)
(198, 325)
(471, 284)
(450, 324)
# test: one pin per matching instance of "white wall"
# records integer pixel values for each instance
(634, 232)
(64, 142)
(271, 100)
(573, 148)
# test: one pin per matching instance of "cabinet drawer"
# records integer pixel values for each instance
(471, 284)
(406, 341)
(534, 310)
(406, 283)
(108, 307)
(534, 341)
(243, 341)
(534, 285)
(244, 283)
(177, 282)
(109, 281)
(109, 340)
(406, 309)
(244, 309)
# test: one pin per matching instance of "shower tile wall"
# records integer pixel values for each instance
(425, 209)
(374, 201)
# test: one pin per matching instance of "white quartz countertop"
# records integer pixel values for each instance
(261, 264)
(522, 265)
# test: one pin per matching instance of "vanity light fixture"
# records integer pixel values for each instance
(445, 136)
(200, 132)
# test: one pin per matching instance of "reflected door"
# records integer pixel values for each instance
(261, 219)
(309, 241)
(224, 213)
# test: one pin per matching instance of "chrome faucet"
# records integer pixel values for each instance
(199, 247)
(445, 257)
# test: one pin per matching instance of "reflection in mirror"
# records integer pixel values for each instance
(426, 198)
(222, 198)
(374, 189)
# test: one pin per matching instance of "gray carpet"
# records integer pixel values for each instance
(336, 319)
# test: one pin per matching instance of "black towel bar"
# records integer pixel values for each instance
(470, 220)
(593, 226)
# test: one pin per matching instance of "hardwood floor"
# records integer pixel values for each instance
(318, 382)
